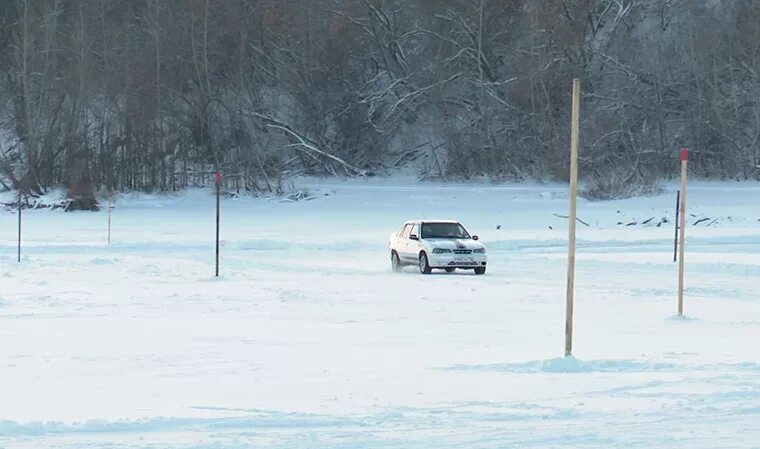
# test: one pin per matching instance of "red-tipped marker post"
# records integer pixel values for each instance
(19, 225)
(682, 225)
(218, 210)
(110, 209)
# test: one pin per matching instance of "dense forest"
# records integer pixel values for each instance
(102, 95)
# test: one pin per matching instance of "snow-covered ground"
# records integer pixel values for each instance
(309, 341)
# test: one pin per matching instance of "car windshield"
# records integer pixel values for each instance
(443, 231)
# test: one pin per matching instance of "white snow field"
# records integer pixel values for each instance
(308, 340)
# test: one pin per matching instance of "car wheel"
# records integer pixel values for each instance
(480, 270)
(450, 270)
(424, 265)
(395, 262)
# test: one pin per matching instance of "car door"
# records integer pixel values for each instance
(413, 246)
(403, 243)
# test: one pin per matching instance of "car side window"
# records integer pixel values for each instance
(415, 230)
(405, 231)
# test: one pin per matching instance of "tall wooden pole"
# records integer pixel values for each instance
(19, 225)
(682, 225)
(574, 140)
(218, 210)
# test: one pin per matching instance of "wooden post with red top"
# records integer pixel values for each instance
(218, 210)
(110, 208)
(682, 225)
(19, 225)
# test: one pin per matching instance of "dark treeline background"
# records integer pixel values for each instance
(155, 94)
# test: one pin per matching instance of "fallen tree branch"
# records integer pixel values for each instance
(567, 218)
(302, 143)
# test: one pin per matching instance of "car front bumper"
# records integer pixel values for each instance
(457, 261)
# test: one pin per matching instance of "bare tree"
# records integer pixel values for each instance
(157, 94)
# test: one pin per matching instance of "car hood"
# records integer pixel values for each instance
(453, 243)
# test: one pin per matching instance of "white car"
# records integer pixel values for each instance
(436, 244)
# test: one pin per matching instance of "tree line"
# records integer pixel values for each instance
(158, 94)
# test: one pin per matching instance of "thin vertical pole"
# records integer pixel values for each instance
(19, 225)
(675, 239)
(218, 210)
(682, 235)
(574, 140)
(110, 201)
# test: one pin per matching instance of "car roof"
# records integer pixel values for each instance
(430, 221)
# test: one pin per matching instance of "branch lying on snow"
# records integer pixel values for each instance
(567, 218)
(701, 220)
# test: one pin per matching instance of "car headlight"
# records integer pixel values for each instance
(479, 251)
(441, 250)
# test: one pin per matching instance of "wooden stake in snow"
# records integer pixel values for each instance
(574, 138)
(218, 187)
(19, 225)
(110, 206)
(682, 226)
